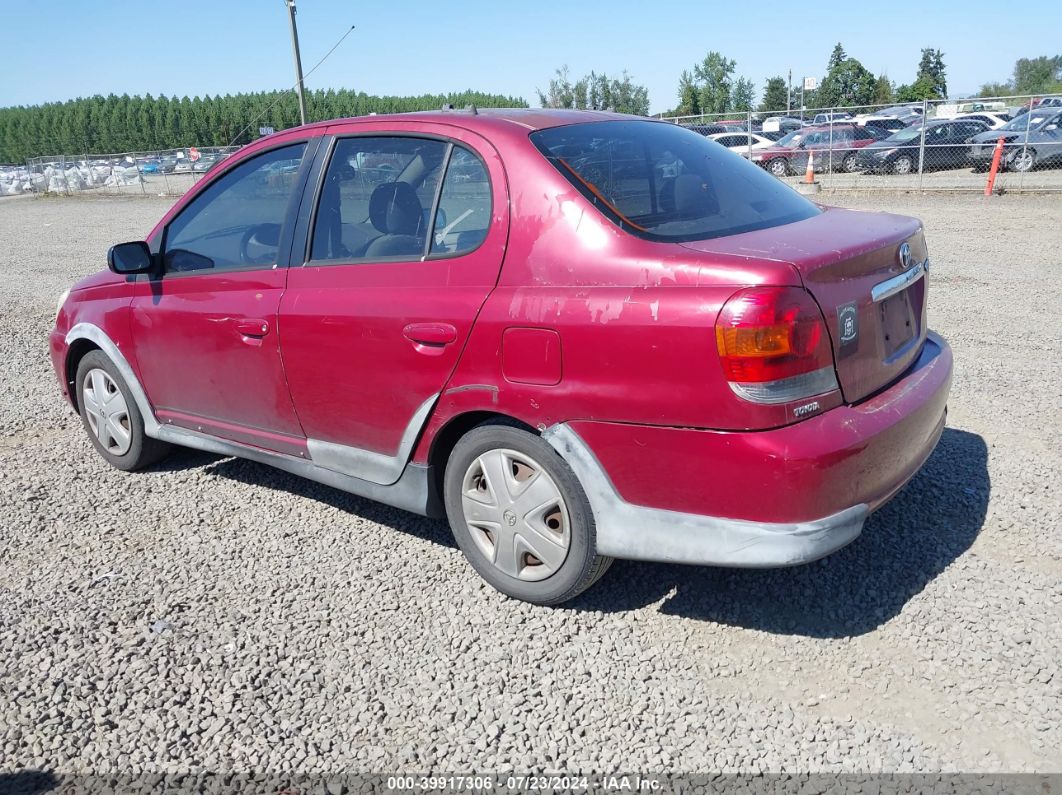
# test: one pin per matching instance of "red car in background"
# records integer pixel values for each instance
(576, 335)
(833, 147)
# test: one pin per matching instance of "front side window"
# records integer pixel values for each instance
(662, 182)
(236, 221)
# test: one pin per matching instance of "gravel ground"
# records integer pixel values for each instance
(214, 614)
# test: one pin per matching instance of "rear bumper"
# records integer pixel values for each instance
(757, 499)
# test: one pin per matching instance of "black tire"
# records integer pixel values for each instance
(582, 566)
(848, 165)
(779, 167)
(143, 450)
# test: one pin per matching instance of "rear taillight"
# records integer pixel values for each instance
(774, 346)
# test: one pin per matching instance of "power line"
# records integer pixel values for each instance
(278, 100)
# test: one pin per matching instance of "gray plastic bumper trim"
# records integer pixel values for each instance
(636, 532)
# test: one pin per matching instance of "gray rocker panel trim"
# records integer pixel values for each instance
(636, 532)
(413, 491)
(411, 488)
(365, 464)
(96, 335)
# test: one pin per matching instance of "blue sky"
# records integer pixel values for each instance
(60, 49)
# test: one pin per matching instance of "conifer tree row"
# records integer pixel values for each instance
(113, 124)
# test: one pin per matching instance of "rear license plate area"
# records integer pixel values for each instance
(897, 322)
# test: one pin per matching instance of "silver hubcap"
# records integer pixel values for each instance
(107, 413)
(778, 168)
(903, 165)
(1023, 161)
(516, 515)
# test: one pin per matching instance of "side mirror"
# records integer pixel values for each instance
(130, 258)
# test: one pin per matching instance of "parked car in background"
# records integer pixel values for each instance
(743, 142)
(946, 146)
(882, 126)
(782, 124)
(167, 163)
(992, 119)
(828, 118)
(569, 358)
(183, 165)
(1031, 140)
(148, 166)
(706, 129)
(834, 147)
(908, 114)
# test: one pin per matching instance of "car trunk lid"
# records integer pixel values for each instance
(871, 292)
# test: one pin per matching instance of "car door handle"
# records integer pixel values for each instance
(252, 327)
(436, 334)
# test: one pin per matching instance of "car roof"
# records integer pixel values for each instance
(491, 118)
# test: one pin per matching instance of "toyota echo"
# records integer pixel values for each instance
(578, 336)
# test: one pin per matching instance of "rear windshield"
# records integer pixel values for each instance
(662, 182)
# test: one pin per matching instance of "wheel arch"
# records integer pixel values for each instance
(85, 337)
(77, 350)
(443, 441)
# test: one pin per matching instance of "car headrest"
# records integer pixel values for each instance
(394, 209)
(688, 195)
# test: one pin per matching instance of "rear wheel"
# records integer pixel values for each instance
(520, 516)
(111, 417)
(779, 167)
(904, 164)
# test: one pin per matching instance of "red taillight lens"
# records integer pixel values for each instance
(773, 345)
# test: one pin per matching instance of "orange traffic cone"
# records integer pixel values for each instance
(809, 175)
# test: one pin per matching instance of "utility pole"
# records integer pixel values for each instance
(789, 94)
(298, 59)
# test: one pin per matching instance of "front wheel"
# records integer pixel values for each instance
(520, 516)
(1025, 160)
(111, 417)
(904, 164)
(848, 165)
(779, 167)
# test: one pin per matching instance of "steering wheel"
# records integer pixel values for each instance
(259, 244)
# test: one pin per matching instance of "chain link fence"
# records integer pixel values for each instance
(938, 145)
(168, 172)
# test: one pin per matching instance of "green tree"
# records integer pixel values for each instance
(883, 91)
(837, 57)
(931, 74)
(714, 77)
(689, 95)
(775, 95)
(920, 89)
(1041, 75)
(596, 92)
(744, 95)
(847, 84)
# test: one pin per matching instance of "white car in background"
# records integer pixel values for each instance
(743, 142)
(994, 119)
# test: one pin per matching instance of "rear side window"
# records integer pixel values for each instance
(662, 182)
(463, 217)
(386, 198)
(236, 221)
(377, 197)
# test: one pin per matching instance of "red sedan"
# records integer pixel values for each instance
(831, 147)
(578, 336)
